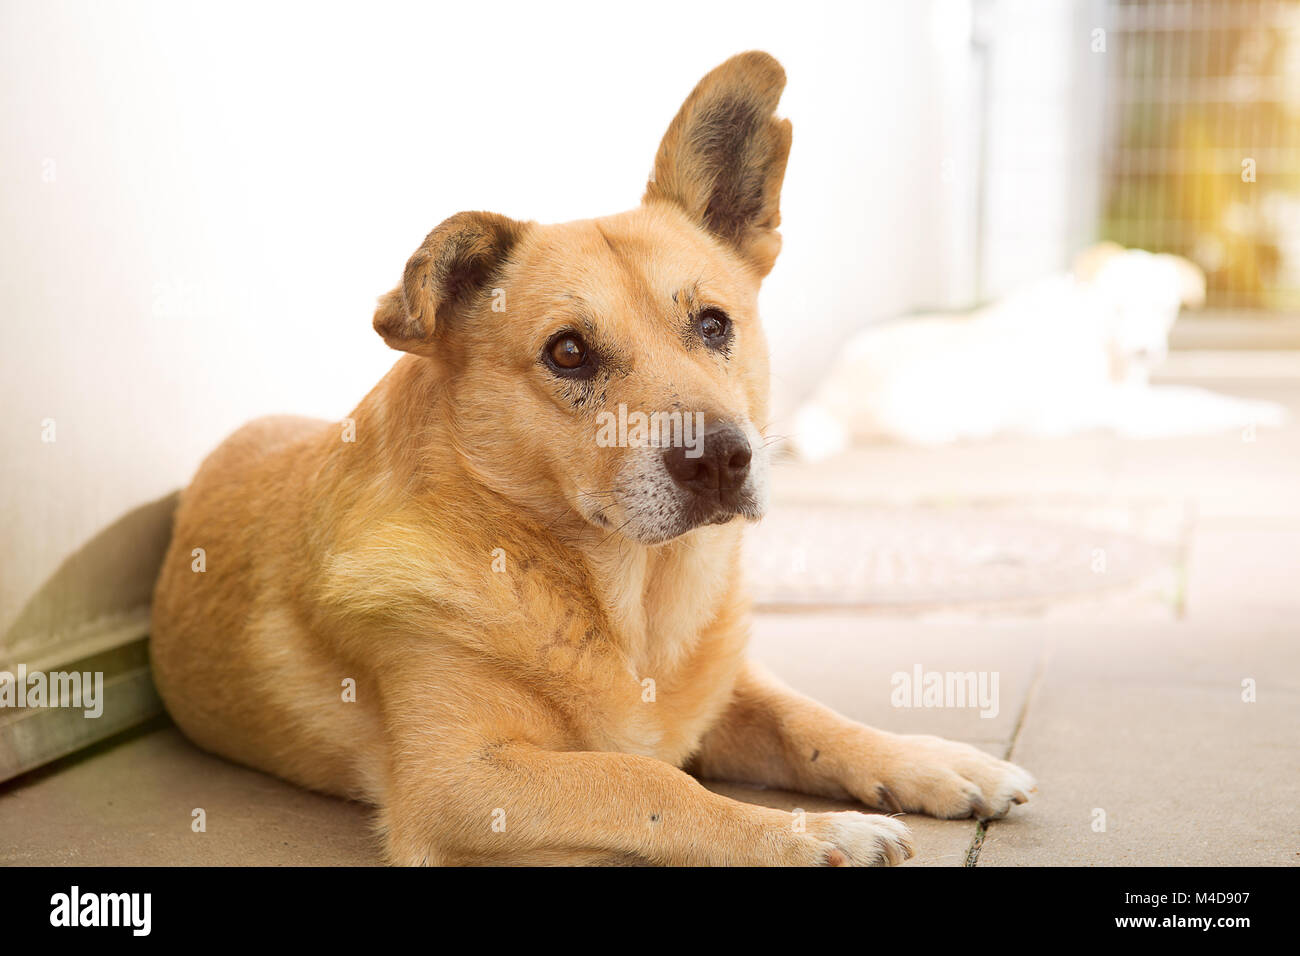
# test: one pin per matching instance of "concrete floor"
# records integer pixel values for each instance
(1125, 701)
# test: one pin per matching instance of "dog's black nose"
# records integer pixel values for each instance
(717, 465)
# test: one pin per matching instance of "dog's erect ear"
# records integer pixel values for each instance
(453, 265)
(723, 158)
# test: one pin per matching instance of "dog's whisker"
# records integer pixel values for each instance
(613, 533)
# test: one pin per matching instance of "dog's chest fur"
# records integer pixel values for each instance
(607, 646)
(650, 664)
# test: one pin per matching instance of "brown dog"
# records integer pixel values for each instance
(508, 635)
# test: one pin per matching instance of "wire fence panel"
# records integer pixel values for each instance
(1203, 147)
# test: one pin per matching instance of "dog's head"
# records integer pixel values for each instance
(1137, 296)
(614, 369)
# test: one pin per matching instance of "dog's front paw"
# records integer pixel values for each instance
(848, 838)
(946, 779)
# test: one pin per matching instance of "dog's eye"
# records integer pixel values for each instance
(567, 352)
(714, 327)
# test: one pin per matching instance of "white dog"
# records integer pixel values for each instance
(1067, 354)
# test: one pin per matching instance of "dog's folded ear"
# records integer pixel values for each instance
(723, 157)
(453, 266)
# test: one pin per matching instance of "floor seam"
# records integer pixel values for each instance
(976, 844)
(982, 828)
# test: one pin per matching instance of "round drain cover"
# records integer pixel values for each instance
(930, 558)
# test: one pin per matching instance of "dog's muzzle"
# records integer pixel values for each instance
(666, 491)
(714, 473)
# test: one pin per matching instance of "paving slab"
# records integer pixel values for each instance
(130, 802)
(849, 663)
(1143, 729)
(1247, 565)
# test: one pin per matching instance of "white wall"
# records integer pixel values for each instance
(1042, 138)
(200, 202)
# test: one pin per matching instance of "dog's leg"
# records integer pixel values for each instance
(771, 735)
(515, 802)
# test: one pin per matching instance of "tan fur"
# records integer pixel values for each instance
(522, 692)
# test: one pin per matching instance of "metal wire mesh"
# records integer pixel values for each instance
(1203, 147)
